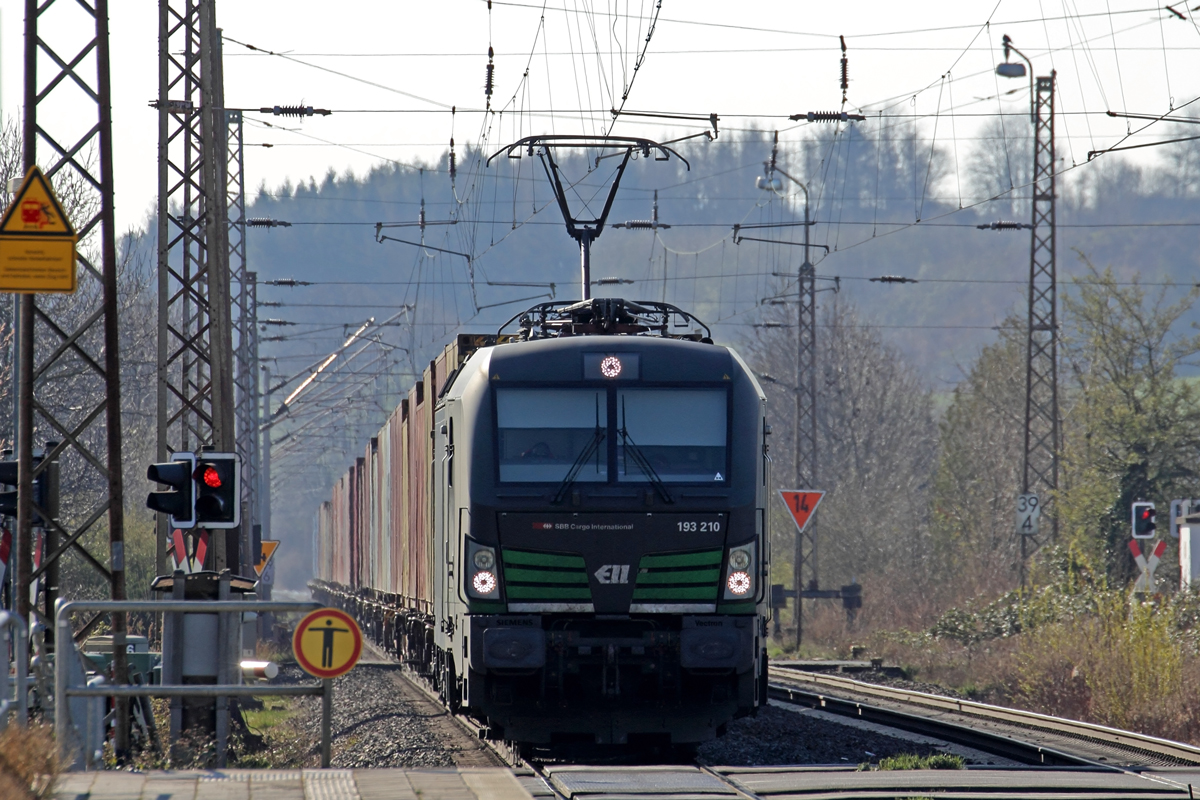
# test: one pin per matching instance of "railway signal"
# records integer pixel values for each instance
(1143, 521)
(179, 501)
(218, 478)
(42, 490)
(8, 477)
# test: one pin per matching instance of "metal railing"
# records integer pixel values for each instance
(64, 728)
(14, 637)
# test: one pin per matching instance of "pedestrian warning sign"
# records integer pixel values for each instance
(801, 505)
(37, 242)
(327, 643)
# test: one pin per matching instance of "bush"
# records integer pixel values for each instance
(910, 761)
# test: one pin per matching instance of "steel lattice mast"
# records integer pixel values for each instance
(79, 338)
(1040, 466)
(246, 352)
(195, 361)
(806, 421)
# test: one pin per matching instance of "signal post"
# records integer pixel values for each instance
(203, 495)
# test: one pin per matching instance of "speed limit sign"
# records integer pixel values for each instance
(1028, 513)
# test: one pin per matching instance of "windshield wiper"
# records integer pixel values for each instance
(641, 462)
(581, 459)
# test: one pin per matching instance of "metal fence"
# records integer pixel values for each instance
(14, 645)
(79, 747)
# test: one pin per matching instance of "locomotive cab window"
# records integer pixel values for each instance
(678, 435)
(543, 433)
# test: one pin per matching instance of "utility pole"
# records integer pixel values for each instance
(265, 451)
(1039, 468)
(246, 353)
(804, 563)
(195, 350)
(81, 337)
(806, 420)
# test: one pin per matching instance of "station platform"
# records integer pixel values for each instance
(310, 784)
(631, 783)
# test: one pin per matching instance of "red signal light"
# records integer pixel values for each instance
(210, 477)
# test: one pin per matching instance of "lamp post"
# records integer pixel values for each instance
(806, 399)
(1039, 473)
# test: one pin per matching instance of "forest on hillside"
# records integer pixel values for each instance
(885, 202)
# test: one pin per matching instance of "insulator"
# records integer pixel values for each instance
(453, 162)
(827, 116)
(292, 111)
(845, 73)
(1003, 225)
(491, 78)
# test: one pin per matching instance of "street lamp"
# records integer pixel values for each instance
(1041, 452)
(806, 390)
(1017, 70)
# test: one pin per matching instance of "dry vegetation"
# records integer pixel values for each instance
(28, 763)
(920, 508)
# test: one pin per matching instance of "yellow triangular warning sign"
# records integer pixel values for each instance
(268, 549)
(35, 211)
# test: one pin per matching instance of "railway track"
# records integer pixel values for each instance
(1077, 760)
(1022, 736)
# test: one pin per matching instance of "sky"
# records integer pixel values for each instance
(391, 72)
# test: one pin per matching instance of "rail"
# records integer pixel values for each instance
(1113, 737)
(63, 689)
(14, 639)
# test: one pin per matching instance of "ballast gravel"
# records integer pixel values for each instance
(381, 720)
(779, 736)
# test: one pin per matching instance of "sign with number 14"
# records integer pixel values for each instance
(1028, 514)
(801, 505)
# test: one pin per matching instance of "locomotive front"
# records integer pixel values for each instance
(611, 529)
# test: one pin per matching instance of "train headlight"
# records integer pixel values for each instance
(739, 559)
(610, 366)
(740, 583)
(481, 576)
(484, 581)
(737, 584)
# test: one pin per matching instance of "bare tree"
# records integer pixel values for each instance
(877, 442)
(978, 470)
(71, 387)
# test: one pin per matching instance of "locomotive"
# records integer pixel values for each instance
(564, 529)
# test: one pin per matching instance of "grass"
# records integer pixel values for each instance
(275, 711)
(28, 763)
(285, 743)
(910, 761)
